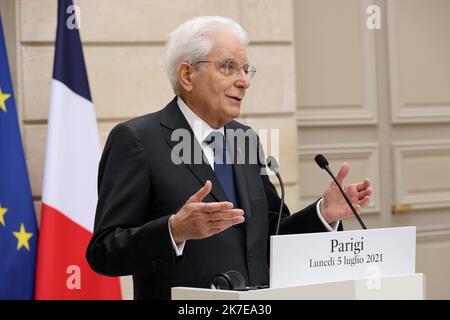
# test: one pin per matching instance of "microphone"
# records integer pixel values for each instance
(322, 162)
(272, 163)
(232, 280)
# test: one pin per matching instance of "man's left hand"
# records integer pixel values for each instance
(334, 207)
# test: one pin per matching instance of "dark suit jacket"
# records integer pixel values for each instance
(140, 187)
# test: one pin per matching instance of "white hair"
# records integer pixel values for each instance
(193, 41)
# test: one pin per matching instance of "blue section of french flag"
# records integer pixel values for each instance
(68, 49)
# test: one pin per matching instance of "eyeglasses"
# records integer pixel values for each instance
(230, 67)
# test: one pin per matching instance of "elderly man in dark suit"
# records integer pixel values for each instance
(179, 223)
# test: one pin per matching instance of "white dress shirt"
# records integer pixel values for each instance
(201, 131)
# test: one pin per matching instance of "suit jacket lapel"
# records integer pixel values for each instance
(172, 118)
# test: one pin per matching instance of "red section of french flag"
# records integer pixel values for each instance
(61, 265)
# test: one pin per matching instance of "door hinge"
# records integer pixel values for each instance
(401, 209)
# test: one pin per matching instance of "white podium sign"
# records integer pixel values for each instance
(312, 258)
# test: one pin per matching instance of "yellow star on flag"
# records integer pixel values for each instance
(23, 238)
(2, 213)
(3, 98)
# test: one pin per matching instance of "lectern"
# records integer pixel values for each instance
(362, 264)
(401, 287)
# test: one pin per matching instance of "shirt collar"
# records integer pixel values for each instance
(200, 128)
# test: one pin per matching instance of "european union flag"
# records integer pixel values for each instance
(18, 229)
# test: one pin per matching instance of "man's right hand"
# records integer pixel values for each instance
(197, 220)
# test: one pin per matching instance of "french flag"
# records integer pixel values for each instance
(69, 194)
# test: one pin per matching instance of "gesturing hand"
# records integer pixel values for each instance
(334, 207)
(197, 220)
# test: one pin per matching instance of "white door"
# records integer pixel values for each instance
(380, 100)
